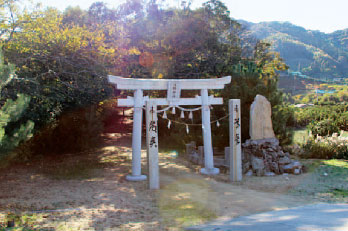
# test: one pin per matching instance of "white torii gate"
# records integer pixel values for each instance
(173, 87)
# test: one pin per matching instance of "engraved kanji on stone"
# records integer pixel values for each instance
(153, 142)
(237, 139)
(153, 126)
(174, 90)
(236, 109)
(236, 122)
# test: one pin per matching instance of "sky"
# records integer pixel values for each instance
(323, 15)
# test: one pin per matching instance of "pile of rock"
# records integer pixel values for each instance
(264, 157)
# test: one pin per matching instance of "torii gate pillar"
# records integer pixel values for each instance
(208, 147)
(136, 137)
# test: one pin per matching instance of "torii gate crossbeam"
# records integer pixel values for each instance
(173, 87)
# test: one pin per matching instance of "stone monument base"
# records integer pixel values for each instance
(211, 171)
(265, 157)
(136, 178)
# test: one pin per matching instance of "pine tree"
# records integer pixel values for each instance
(10, 114)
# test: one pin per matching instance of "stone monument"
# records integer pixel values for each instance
(261, 154)
(260, 119)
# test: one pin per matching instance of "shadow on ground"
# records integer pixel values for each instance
(88, 191)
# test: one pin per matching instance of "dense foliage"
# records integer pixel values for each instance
(322, 120)
(324, 127)
(61, 66)
(62, 60)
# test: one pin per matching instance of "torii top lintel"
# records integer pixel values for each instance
(162, 84)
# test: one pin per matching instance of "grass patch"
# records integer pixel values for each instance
(185, 213)
(337, 163)
(311, 165)
(327, 180)
(344, 133)
(20, 222)
(340, 192)
(186, 202)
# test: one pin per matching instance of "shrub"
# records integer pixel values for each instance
(326, 148)
(317, 113)
(282, 119)
(342, 121)
(324, 127)
(74, 131)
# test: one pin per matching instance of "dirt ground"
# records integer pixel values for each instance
(89, 192)
(104, 200)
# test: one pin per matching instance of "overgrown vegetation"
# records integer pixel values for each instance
(62, 60)
(327, 147)
(322, 120)
(326, 116)
(337, 113)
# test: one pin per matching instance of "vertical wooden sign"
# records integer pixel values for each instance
(235, 140)
(152, 144)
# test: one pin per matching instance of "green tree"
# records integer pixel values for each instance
(61, 66)
(256, 75)
(11, 112)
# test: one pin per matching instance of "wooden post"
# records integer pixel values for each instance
(152, 144)
(235, 140)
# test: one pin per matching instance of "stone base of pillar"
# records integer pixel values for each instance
(210, 171)
(136, 178)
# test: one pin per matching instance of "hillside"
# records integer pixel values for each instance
(313, 53)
